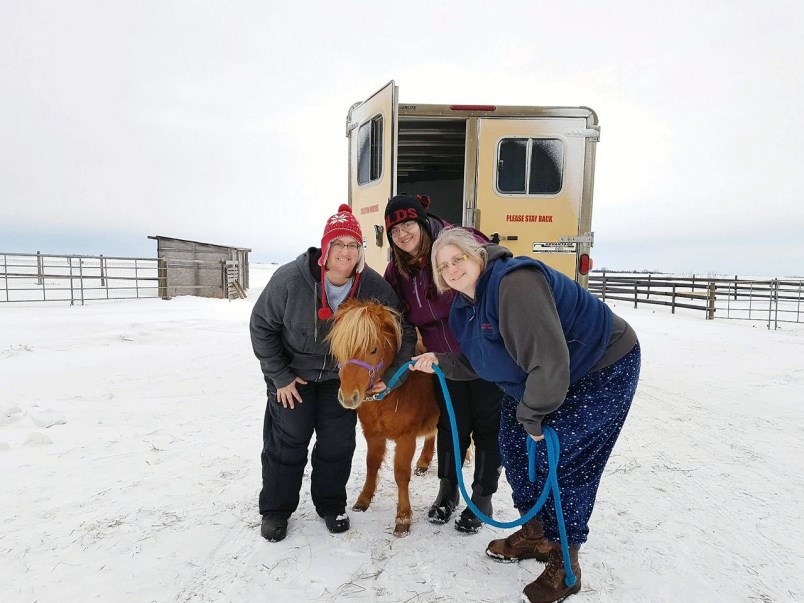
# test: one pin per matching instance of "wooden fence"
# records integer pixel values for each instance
(77, 279)
(772, 301)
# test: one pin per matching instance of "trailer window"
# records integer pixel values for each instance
(539, 162)
(369, 151)
(512, 164)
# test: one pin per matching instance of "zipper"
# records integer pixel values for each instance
(315, 312)
(441, 324)
(315, 332)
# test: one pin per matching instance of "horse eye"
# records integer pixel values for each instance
(374, 351)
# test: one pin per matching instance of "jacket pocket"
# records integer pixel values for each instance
(301, 337)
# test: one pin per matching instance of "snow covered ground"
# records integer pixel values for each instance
(130, 435)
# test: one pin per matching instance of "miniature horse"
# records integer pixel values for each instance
(365, 338)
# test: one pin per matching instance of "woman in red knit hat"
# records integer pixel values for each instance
(289, 324)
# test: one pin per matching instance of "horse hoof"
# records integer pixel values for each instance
(420, 470)
(402, 526)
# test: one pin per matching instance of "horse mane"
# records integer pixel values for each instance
(360, 324)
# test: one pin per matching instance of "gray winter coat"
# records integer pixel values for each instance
(287, 335)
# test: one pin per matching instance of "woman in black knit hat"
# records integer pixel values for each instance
(411, 231)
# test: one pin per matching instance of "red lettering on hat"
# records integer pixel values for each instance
(397, 217)
(401, 215)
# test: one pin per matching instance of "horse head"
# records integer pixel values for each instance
(364, 339)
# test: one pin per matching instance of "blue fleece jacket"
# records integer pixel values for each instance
(585, 321)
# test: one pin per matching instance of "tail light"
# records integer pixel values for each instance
(584, 264)
(473, 107)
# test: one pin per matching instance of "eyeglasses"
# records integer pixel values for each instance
(340, 246)
(404, 227)
(456, 261)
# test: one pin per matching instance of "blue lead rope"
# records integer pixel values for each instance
(550, 485)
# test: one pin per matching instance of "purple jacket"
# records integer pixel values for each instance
(422, 305)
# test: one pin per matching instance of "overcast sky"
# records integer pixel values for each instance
(224, 121)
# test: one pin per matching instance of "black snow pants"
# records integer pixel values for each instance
(286, 438)
(477, 413)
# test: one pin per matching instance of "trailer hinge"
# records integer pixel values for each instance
(593, 133)
(350, 125)
(471, 216)
(584, 239)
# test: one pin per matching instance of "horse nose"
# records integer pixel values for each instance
(350, 402)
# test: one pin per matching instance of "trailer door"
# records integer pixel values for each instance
(534, 187)
(372, 130)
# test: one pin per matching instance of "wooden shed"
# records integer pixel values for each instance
(201, 269)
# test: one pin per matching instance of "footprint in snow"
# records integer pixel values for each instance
(11, 414)
(37, 439)
(47, 418)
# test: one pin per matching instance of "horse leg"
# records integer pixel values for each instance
(374, 457)
(403, 457)
(426, 456)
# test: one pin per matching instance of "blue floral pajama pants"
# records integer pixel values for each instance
(587, 424)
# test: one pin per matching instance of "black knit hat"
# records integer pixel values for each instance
(403, 208)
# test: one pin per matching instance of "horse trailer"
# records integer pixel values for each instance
(522, 175)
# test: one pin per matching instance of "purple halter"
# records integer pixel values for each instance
(373, 371)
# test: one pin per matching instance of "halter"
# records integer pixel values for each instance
(373, 370)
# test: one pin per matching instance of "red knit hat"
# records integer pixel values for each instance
(342, 224)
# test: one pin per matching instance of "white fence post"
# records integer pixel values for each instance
(70, 260)
(5, 273)
(81, 278)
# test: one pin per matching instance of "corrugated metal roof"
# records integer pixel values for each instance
(163, 238)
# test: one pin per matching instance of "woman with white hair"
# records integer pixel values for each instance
(563, 359)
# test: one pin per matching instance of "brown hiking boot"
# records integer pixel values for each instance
(550, 586)
(526, 543)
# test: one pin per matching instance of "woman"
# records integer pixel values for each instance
(563, 359)
(476, 403)
(289, 322)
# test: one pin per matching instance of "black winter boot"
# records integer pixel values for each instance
(445, 502)
(337, 522)
(469, 522)
(274, 527)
